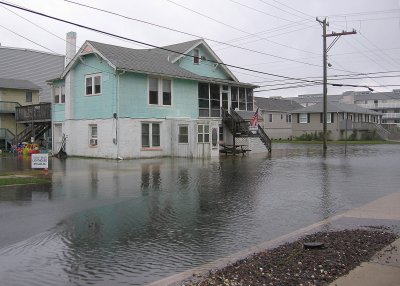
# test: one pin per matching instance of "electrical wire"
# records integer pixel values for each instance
(197, 36)
(235, 28)
(161, 48)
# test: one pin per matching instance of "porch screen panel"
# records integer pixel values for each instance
(224, 96)
(204, 100)
(242, 98)
(249, 99)
(215, 100)
(235, 97)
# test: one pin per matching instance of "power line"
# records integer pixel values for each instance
(189, 34)
(161, 48)
(260, 11)
(235, 28)
(291, 8)
(28, 39)
(140, 42)
(309, 17)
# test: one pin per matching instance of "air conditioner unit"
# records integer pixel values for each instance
(93, 142)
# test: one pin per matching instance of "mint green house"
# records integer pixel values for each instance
(117, 102)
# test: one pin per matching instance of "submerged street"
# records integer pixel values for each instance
(106, 222)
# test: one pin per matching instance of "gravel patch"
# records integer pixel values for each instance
(293, 264)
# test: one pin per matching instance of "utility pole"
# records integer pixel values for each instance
(326, 49)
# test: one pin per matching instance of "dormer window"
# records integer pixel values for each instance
(196, 56)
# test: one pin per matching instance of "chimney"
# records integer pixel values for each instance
(70, 48)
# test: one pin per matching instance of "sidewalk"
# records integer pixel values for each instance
(384, 268)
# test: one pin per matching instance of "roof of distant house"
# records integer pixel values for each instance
(336, 107)
(11, 83)
(276, 104)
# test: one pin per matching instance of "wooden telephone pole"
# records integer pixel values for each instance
(326, 49)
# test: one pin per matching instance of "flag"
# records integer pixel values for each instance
(254, 119)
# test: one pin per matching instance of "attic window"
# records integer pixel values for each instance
(196, 56)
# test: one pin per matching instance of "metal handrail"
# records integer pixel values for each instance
(264, 137)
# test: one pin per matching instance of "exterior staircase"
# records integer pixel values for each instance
(36, 117)
(35, 130)
(6, 139)
(240, 128)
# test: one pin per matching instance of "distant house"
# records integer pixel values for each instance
(117, 102)
(14, 93)
(387, 103)
(277, 116)
(342, 119)
(34, 66)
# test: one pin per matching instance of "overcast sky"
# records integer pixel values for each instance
(278, 37)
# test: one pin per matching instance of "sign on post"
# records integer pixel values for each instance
(40, 161)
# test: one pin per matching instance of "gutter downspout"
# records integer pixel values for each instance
(116, 116)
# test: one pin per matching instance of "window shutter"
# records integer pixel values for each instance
(321, 118)
(332, 116)
(298, 117)
(308, 118)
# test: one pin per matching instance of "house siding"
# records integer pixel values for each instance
(278, 128)
(93, 106)
(133, 98)
(204, 68)
(129, 137)
(315, 126)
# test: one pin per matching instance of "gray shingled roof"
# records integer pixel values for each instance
(153, 61)
(35, 66)
(276, 104)
(336, 107)
(18, 84)
(180, 48)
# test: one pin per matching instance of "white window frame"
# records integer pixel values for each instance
(93, 136)
(183, 135)
(92, 78)
(301, 118)
(202, 135)
(59, 92)
(160, 91)
(328, 117)
(29, 96)
(150, 135)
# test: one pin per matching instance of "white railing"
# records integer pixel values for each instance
(379, 105)
(390, 115)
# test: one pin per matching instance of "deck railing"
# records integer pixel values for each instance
(8, 106)
(33, 113)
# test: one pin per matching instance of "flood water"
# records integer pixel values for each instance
(132, 222)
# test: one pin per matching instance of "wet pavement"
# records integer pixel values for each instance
(105, 222)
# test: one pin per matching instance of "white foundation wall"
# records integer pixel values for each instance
(127, 132)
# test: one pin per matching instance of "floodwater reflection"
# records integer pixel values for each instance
(133, 222)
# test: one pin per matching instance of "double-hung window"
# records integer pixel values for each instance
(303, 118)
(93, 135)
(183, 135)
(93, 84)
(203, 133)
(28, 96)
(150, 135)
(160, 91)
(59, 94)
